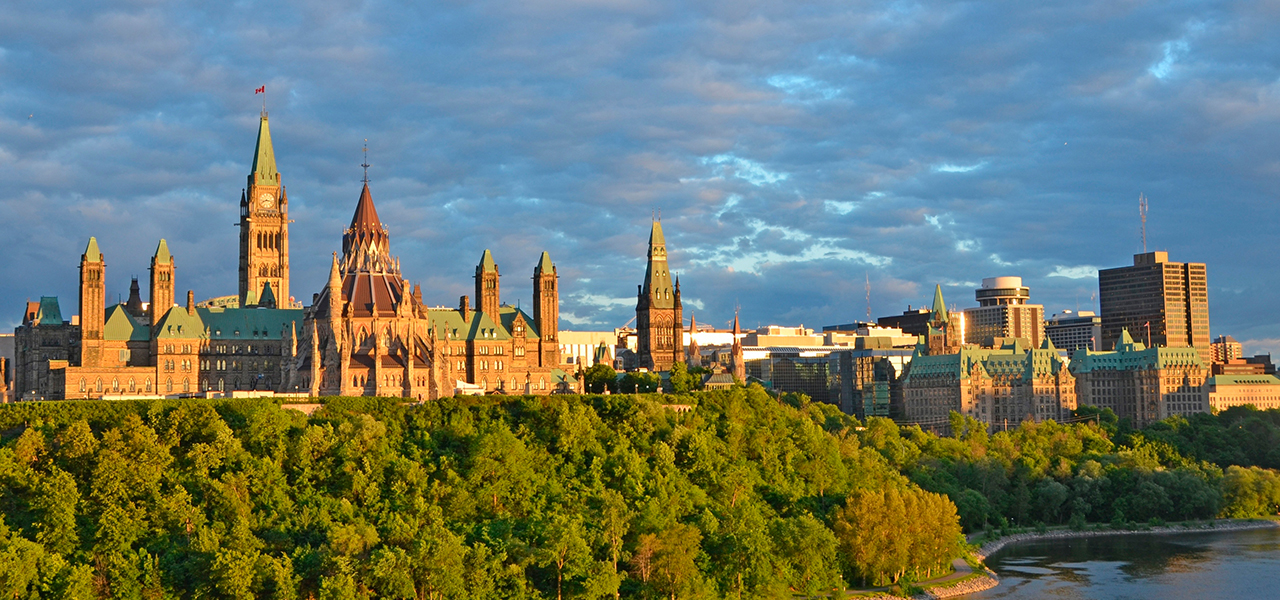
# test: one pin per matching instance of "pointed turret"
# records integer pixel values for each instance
(134, 305)
(365, 244)
(162, 290)
(546, 310)
(488, 286)
(939, 307)
(91, 252)
(739, 364)
(366, 214)
(334, 289)
(268, 298)
(657, 279)
(264, 157)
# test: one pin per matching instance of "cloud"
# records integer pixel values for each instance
(794, 150)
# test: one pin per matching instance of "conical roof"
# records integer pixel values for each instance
(162, 253)
(655, 235)
(366, 215)
(939, 307)
(91, 252)
(264, 156)
(486, 263)
(268, 298)
(544, 264)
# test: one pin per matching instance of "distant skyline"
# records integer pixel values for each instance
(795, 150)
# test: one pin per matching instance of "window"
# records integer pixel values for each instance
(99, 385)
(186, 385)
(84, 387)
(168, 385)
(148, 384)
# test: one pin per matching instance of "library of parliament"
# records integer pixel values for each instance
(367, 331)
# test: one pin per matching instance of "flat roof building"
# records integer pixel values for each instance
(1073, 331)
(1003, 312)
(1160, 302)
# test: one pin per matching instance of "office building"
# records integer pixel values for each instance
(1259, 391)
(1161, 303)
(1003, 312)
(1073, 331)
(1141, 384)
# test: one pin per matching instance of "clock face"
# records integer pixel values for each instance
(266, 200)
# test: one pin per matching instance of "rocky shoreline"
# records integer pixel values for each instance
(992, 547)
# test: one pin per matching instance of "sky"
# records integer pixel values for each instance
(796, 151)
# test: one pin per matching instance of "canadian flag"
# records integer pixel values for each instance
(261, 90)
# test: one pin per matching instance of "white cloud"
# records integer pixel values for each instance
(840, 207)
(1076, 272)
(747, 170)
(805, 88)
(950, 168)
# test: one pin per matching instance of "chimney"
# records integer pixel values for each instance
(191, 303)
(464, 307)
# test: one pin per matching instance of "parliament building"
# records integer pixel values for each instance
(367, 331)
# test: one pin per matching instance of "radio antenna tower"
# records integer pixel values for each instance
(1142, 213)
(868, 297)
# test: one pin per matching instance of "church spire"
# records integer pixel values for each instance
(657, 279)
(939, 307)
(264, 157)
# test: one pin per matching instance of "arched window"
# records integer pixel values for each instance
(115, 385)
(542, 383)
(355, 381)
(186, 385)
(148, 384)
(168, 386)
(132, 387)
(222, 385)
(84, 387)
(99, 386)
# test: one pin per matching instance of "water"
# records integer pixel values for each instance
(1227, 564)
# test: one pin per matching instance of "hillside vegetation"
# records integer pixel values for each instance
(710, 495)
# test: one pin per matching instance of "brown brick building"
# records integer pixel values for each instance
(366, 333)
(659, 318)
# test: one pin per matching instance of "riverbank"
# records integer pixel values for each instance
(991, 547)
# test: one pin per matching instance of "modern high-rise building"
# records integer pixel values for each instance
(1003, 312)
(1073, 331)
(1226, 349)
(1159, 302)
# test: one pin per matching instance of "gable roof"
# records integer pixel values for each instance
(121, 326)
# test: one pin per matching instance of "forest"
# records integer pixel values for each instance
(720, 494)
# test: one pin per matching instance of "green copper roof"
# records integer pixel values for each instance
(544, 264)
(1254, 379)
(268, 298)
(655, 236)
(50, 313)
(939, 307)
(449, 324)
(1010, 361)
(657, 279)
(216, 323)
(1126, 343)
(486, 262)
(264, 157)
(120, 326)
(1134, 355)
(162, 253)
(91, 252)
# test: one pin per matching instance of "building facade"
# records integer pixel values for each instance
(1162, 303)
(659, 312)
(366, 333)
(1142, 384)
(1003, 312)
(1073, 331)
(998, 386)
(1259, 391)
(1225, 349)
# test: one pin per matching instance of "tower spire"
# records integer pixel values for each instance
(366, 164)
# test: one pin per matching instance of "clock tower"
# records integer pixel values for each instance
(264, 229)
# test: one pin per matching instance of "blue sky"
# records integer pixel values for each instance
(795, 149)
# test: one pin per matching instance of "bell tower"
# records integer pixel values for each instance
(264, 227)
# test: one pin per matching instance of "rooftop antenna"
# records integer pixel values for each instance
(365, 164)
(1142, 213)
(868, 296)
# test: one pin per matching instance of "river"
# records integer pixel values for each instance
(1225, 564)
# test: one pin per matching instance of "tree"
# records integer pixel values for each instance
(675, 567)
(601, 378)
(680, 381)
(565, 548)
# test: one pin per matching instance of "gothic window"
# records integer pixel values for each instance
(132, 386)
(542, 383)
(83, 385)
(168, 385)
(148, 384)
(222, 385)
(115, 385)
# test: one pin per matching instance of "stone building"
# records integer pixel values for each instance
(368, 333)
(1142, 384)
(1257, 390)
(659, 318)
(999, 386)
